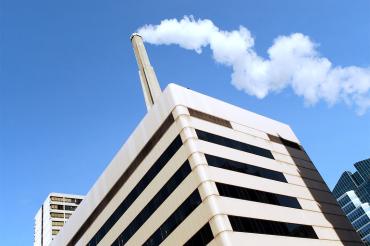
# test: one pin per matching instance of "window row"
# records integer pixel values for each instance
(257, 196)
(70, 208)
(349, 208)
(57, 223)
(283, 141)
(63, 207)
(154, 203)
(242, 224)
(291, 144)
(364, 231)
(136, 191)
(65, 199)
(366, 240)
(120, 182)
(227, 142)
(355, 214)
(175, 219)
(56, 206)
(60, 215)
(226, 123)
(210, 118)
(202, 237)
(360, 222)
(57, 215)
(244, 168)
(343, 201)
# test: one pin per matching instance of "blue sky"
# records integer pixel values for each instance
(70, 93)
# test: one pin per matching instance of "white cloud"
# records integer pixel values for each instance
(292, 61)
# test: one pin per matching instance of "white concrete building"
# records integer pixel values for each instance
(200, 171)
(53, 214)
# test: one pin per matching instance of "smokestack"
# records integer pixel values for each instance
(148, 79)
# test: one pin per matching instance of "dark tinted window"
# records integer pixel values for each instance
(175, 219)
(342, 202)
(365, 230)
(257, 196)
(355, 214)
(122, 179)
(284, 141)
(70, 208)
(56, 206)
(348, 208)
(361, 222)
(152, 206)
(227, 142)
(136, 191)
(208, 117)
(244, 168)
(250, 225)
(289, 143)
(77, 201)
(202, 237)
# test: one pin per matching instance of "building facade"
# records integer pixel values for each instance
(353, 194)
(199, 171)
(53, 214)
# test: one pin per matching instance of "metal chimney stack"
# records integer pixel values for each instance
(148, 79)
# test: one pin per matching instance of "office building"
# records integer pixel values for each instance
(353, 195)
(53, 214)
(200, 171)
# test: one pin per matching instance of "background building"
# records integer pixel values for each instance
(199, 171)
(53, 214)
(353, 194)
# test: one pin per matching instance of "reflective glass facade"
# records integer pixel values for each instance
(353, 195)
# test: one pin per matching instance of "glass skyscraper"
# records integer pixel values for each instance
(353, 195)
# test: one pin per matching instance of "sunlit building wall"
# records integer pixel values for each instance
(53, 215)
(199, 171)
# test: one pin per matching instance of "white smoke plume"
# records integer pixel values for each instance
(292, 61)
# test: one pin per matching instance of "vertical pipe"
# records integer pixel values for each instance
(148, 79)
